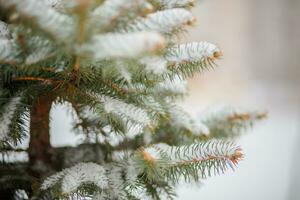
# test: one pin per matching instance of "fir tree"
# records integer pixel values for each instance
(119, 65)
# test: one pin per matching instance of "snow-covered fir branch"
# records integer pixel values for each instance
(193, 52)
(77, 175)
(165, 21)
(45, 17)
(55, 3)
(199, 152)
(4, 31)
(192, 162)
(41, 49)
(8, 51)
(229, 122)
(84, 173)
(154, 64)
(182, 119)
(112, 10)
(114, 45)
(8, 48)
(123, 109)
(116, 184)
(190, 58)
(176, 85)
(165, 4)
(7, 115)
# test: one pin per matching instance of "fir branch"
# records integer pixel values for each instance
(7, 116)
(116, 183)
(154, 64)
(82, 173)
(192, 162)
(38, 49)
(115, 45)
(227, 122)
(9, 51)
(11, 149)
(4, 30)
(167, 4)
(77, 175)
(172, 87)
(182, 120)
(187, 59)
(111, 12)
(191, 52)
(115, 86)
(60, 26)
(30, 78)
(165, 22)
(123, 109)
(57, 4)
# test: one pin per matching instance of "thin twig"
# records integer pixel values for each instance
(31, 78)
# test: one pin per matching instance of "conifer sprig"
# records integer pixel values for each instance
(160, 164)
(42, 15)
(193, 162)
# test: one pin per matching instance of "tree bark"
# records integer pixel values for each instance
(40, 151)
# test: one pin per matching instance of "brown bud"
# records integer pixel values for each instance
(218, 54)
(147, 156)
(192, 3)
(191, 21)
(237, 156)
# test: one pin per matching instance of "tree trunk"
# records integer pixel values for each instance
(40, 151)
(44, 160)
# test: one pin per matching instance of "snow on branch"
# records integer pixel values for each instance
(38, 55)
(52, 180)
(193, 52)
(165, 21)
(4, 31)
(114, 45)
(135, 119)
(192, 162)
(37, 12)
(187, 59)
(112, 10)
(172, 86)
(7, 116)
(8, 51)
(229, 122)
(200, 152)
(154, 64)
(182, 119)
(74, 177)
(8, 48)
(159, 161)
(54, 3)
(108, 178)
(84, 173)
(165, 4)
(41, 49)
(121, 108)
(116, 184)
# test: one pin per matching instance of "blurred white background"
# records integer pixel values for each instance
(260, 40)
